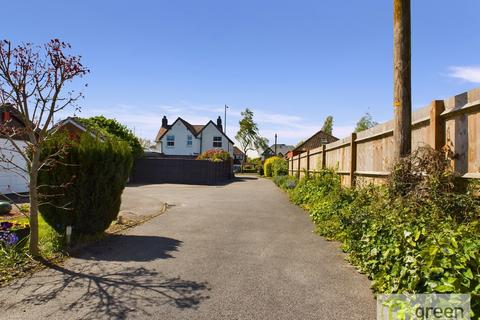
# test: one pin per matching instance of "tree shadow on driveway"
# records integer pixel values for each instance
(102, 291)
(130, 248)
(105, 281)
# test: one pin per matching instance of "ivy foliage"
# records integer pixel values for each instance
(417, 234)
(84, 188)
(115, 128)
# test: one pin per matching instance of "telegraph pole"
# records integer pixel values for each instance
(402, 79)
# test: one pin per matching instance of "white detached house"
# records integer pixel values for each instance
(184, 139)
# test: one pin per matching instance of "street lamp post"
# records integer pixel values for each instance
(225, 120)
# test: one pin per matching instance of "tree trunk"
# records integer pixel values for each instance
(402, 79)
(33, 248)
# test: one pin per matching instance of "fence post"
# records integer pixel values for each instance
(437, 126)
(308, 162)
(298, 168)
(324, 156)
(353, 159)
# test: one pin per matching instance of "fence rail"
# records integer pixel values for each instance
(367, 156)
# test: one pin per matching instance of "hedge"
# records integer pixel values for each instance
(84, 188)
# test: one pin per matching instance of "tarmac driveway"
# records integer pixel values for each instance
(239, 251)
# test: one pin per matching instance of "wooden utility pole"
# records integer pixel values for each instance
(402, 79)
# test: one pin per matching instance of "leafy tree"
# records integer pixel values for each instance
(365, 122)
(117, 129)
(328, 125)
(248, 135)
(145, 143)
(34, 82)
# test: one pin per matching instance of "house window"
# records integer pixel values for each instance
(217, 142)
(170, 141)
(189, 141)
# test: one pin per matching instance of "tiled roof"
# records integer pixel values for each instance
(161, 132)
(237, 151)
(315, 141)
(194, 128)
(15, 123)
(282, 148)
(198, 127)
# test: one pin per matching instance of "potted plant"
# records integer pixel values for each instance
(5, 207)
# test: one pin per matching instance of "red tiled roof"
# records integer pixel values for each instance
(161, 132)
(237, 151)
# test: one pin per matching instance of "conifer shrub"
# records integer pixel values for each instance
(114, 128)
(84, 187)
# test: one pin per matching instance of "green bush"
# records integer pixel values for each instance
(267, 167)
(215, 155)
(84, 188)
(418, 234)
(279, 167)
(275, 166)
(115, 128)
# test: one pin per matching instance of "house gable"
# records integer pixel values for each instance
(194, 129)
(207, 135)
(184, 139)
(216, 128)
(180, 139)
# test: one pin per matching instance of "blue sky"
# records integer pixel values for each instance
(292, 62)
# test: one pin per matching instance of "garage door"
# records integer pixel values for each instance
(11, 178)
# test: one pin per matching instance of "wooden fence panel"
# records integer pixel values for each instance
(452, 124)
(185, 171)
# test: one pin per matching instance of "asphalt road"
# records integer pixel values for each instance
(239, 251)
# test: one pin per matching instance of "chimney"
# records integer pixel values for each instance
(219, 123)
(6, 116)
(164, 122)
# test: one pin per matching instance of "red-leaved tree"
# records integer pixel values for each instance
(34, 84)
